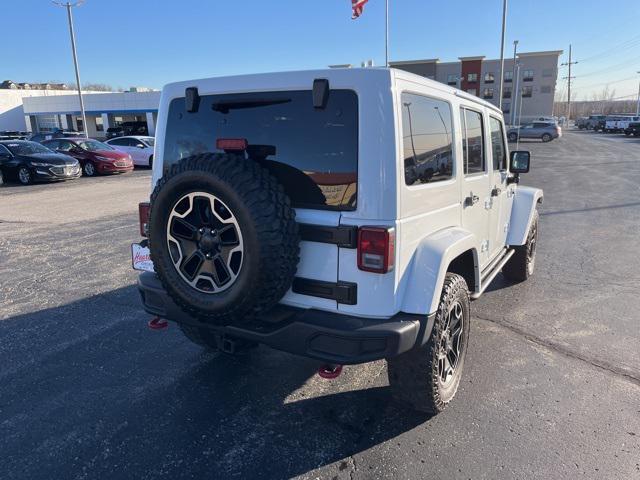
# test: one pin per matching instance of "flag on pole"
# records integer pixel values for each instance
(357, 6)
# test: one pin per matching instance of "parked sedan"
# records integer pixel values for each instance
(140, 148)
(94, 156)
(542, 130)
(28, 162)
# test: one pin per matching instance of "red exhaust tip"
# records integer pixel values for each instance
(157, 323)
(330, 371)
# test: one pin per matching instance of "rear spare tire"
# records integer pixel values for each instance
(223, 237)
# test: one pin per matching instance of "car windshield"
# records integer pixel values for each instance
(26, 148)
(94, 145)
(149, 141)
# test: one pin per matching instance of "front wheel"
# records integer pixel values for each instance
(546, 137)
(89, 169)
(427, 377)
(522, 264)
(24, 176)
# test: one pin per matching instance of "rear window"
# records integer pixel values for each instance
(316, 150)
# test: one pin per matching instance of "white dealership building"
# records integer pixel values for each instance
(103, 110)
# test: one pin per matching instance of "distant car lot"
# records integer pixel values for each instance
(554, 374)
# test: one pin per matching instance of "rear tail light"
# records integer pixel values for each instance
(143, 214)
(232, 144)
(376, 249)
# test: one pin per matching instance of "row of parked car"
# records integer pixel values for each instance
(68, 156)
(627, 124)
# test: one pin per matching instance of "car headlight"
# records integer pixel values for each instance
(41, 164)
(104, 159)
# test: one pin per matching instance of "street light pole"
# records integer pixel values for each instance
(69, 6)
(638, 105)
(386, 34)
(504, 24)
(513, 80)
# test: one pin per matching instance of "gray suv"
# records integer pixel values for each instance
(545, 131)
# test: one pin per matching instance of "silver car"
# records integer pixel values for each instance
(545, 131)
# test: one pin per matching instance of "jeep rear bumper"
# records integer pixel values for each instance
(326, 336)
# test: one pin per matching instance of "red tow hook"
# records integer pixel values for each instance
(330, 371)
(157, 323)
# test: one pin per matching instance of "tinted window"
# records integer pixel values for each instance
(119, 141)
(3, 150)
(64, 145)
(316, 149)
(472, 141)
(498, 148)
(53, 144)
(94, 145)
(426, 139)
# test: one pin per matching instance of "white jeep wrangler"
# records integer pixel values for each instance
(346, 215)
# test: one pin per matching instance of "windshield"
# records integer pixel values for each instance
(94, 145)
(26, 148)
(149, 141)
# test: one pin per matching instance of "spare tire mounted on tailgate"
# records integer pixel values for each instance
(223, 237)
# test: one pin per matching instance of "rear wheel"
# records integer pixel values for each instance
(89, 169)
(151, 161)
(427, 377)
(522, 264)
(24, 176)
(546, 137)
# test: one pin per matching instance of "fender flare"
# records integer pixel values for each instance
(524, 206)
(424, 276)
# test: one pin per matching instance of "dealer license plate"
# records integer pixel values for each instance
(140, 258)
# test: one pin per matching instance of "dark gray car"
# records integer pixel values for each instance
(545, 131)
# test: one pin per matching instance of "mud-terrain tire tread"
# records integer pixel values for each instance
(516, 269)
(413, 376)
(275, 224)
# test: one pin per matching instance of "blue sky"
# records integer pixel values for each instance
(152, 42)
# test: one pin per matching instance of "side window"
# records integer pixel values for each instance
(65, 146)
(472, 141)
(498, 148)
(53, 144)
(130, 142)
(117, 141)
(4, 150)
(427, 136)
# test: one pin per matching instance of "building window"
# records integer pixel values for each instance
(547, 72)
(488, 77)
(545, 89)
(472, 141)
(452, 80)
(427, 142)
(508, 76)
(99, 124)
(506, 107)
(527, 76)
(506, 92)
(47, 123)
(527, 92)
(487, 93)
(472, 91)
(472, 77)
(80, 124)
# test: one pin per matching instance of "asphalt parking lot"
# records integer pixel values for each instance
(551, 387)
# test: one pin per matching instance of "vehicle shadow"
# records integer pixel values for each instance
(88, 390)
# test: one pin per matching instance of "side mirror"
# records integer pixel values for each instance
(140, 145)
(520, 162)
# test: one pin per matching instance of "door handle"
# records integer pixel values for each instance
(495, 192)
(471, 200)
